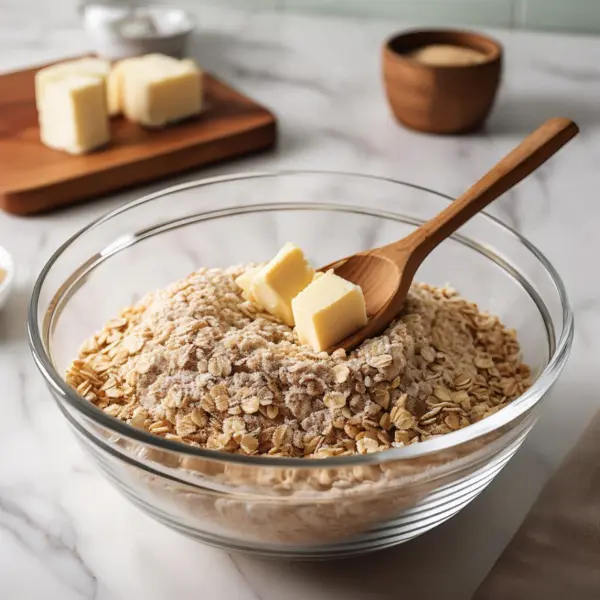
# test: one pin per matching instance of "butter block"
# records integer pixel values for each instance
(245, 281)
(73, 115)
(280, 280)
(327, 311)
(94, 67)
(114, 84)
(116, 77)
(157, 90)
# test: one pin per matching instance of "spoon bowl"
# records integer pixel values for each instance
(377, 275)
(385, 274)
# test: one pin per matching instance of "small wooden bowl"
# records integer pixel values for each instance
(441, 99)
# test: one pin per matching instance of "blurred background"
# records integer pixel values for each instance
(548, 15)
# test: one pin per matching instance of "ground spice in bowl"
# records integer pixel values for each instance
(445, 55)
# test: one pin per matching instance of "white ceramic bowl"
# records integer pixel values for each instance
(118, 32)
(7, 265)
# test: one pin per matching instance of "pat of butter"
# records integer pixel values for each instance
(72, 113)
(327, 311)
(116, 77)
(245, 281)
(114, 85)
(155, 90)
(93, 67)
(280, 280)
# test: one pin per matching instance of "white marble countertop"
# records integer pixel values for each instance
(66, 533)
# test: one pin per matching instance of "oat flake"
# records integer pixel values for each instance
(196, 362)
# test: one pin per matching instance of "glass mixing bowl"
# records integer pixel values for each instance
(285, 506)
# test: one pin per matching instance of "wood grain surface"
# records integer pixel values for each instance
(34, 178)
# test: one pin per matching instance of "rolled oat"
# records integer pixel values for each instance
(199, 363)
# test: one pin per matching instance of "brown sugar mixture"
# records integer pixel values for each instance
(198, 363)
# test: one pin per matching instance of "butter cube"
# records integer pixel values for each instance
(158, 90)
(73, 115)
(327, 311)
(245, 281)
(96, 67)
(114, 85)
(116, 77)
(280, 280)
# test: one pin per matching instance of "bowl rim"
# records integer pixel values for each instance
(189, 27)
(463, 37)
(447, 441)
(190, 23)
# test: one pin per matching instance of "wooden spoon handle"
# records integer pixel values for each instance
(534, 151)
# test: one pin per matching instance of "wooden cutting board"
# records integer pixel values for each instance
(34, 178)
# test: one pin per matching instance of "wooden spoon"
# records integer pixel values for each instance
(385, 274)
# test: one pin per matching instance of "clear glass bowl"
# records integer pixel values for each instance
(284, 506)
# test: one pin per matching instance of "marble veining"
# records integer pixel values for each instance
(66, 533)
